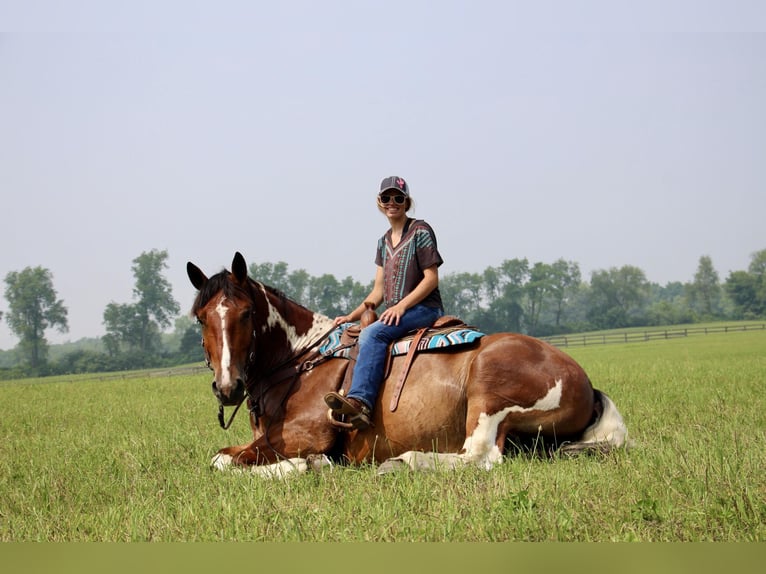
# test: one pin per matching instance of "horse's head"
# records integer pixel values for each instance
(224, 308)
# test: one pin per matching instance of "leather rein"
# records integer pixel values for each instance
(298, 363)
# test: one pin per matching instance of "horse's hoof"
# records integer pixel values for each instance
(221, 461)
(393, 465)
(317, 462)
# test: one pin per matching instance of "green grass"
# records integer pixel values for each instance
(127, 460)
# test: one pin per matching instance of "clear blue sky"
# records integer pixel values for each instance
(606, 133)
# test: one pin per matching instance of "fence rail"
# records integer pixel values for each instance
(643, 336)
(153, 373)
(577, 340)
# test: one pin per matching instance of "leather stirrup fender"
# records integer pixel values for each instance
(406, 367)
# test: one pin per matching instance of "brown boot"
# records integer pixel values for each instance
(356, 412)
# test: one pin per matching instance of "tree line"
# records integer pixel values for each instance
(538, 298)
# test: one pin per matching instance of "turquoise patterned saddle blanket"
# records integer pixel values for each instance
(433, 340)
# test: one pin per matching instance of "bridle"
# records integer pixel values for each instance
(259, 384)
(291, 368)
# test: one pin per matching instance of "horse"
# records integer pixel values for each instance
(460, 405)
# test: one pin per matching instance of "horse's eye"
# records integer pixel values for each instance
(247, 314)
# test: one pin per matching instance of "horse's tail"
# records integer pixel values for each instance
(605, 433)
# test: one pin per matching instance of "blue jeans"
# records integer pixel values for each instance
(373, 345)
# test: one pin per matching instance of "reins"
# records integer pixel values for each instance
(292, 366)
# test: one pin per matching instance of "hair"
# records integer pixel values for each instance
(222, 282)
(218, 282)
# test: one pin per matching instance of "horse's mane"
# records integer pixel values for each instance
(218, 282)
(222, 282)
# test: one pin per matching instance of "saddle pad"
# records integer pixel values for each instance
(332, 346)
(438, 339)
(434, 339)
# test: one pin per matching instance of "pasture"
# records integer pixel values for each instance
(83, 459)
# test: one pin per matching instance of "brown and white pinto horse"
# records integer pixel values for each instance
(473, 403)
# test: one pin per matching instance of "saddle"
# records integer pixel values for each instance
(447, 330)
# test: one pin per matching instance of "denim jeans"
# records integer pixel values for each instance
(373, 345)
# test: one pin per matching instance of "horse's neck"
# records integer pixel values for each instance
(301, 327)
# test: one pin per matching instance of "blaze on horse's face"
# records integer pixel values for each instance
(226, 316)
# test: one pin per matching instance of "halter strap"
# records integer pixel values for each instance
(292, 366)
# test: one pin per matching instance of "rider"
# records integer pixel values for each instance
(407, 283)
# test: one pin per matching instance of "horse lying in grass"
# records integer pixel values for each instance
(465, 404)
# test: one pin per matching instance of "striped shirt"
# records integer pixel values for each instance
(403, 265)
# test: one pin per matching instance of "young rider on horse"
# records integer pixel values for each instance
(407, 283)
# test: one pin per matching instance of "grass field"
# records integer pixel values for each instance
(127, 460)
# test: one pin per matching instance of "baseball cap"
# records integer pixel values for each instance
(394, 182)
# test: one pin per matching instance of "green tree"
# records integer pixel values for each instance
(297, 285)
(123, 327)
(747, 289)
(617, 297)
(704, 293)
(138, 325)
(462, 295)
(272, 274)
(33, 308)
(668, 305)
(323, 294)
(536, 289)
(505, 311)
(326, 296)
(565, 281)
(758, 263)
(153, 291)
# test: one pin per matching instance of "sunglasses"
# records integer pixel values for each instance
(398, 199)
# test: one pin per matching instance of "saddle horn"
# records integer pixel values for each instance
(369, 316)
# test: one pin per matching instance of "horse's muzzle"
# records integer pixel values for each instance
(231, 396)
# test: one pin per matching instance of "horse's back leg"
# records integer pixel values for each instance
(540, 393)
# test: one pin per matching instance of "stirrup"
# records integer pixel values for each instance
(344, 414)
(348, 422)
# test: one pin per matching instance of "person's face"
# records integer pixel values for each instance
(392, 203)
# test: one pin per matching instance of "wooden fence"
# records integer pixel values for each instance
(577, 340)
(642, 336)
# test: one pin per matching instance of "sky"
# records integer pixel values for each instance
(605, 133)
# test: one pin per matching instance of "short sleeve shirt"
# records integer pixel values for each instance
(403, 265)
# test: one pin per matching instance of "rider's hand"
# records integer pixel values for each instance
(392, 315)
(340, 320)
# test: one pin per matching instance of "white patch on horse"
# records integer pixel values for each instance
(226, 350)
(610, 429)
(221, 461)
(281, 469)
(416, 460)
(481, 448)
(319, 326)
(278, 470)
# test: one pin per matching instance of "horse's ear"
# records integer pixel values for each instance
(239, 267)
(196, 276)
